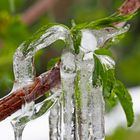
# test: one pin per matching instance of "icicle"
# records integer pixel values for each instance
(54, 117)
(24, 71)
(20, 122)
(68, 73)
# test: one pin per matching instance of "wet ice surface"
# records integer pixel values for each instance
(38, 129)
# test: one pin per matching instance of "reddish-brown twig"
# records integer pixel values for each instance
(43, 83)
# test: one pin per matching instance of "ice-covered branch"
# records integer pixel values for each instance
(43, 83)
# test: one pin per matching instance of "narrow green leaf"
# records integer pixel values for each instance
(103, 51)
(98, 72)
(76, 35)
(125, 100)
(106, 76)
(104, 22)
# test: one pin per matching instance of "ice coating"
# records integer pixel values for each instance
(20, 122)
(104, 34)
(88, 37)
(23, 59)
(84, 122)
(107, 61)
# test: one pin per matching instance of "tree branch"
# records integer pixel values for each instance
(43, 83)
(35, 11)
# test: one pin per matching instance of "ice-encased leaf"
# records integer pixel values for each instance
(24, 56)
(68, 74)
(104, 73)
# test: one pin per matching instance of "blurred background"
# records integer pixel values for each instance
(19, 19)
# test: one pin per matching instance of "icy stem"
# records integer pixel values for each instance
(24, 72)
(91, 103)
(68, 73)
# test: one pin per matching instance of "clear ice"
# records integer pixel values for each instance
(70, 118)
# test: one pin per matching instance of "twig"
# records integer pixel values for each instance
(42, 84)
(46, 81)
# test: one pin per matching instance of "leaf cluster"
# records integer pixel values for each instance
(105, 75)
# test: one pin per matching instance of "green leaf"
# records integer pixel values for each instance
(98, 72)
(103, 51)
(106, 76)
(108, 83)
(52, 62)
(104, 22)
(125, 100)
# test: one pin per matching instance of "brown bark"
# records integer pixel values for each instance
(42, 84)
(46, 81)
